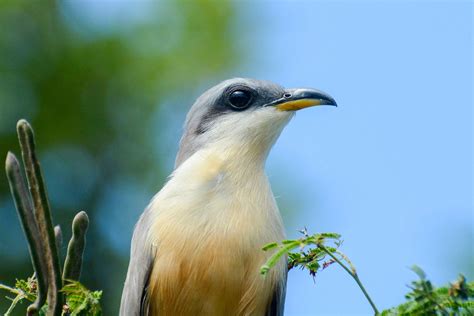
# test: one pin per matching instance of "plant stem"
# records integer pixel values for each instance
(19, 296)
(353, 275)
(14, 302)
(75, 249)
(9, 289)
(43, 215)
(24, 208)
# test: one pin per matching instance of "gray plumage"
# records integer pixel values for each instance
(141, 257)
(210, 106)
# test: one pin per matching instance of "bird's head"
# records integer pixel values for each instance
(244, 116)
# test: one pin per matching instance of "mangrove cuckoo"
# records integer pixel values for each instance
(197, 247)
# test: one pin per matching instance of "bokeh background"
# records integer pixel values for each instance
(106, 85)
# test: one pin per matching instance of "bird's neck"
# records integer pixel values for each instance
(241, 158)
(232, 163)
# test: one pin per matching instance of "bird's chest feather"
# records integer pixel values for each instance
(208, 233)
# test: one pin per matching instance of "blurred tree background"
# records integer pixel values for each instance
(93, 80)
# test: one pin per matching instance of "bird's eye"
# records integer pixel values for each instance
(240, 99)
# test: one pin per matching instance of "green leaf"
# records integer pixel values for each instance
(331, 235)
(264, 269)
(82, 301)
(272, 261)
(421, 274)
(269, 246)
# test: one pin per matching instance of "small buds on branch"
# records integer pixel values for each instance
(43, 215)
(44, 241)
(25, 212)
(75, 249)
(58, 236)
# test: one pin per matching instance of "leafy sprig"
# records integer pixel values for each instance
(79, 299)
(424, 299)
(324, 252)
(318, 251)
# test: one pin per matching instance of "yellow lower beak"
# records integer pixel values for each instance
(297, 104)
(297, 99)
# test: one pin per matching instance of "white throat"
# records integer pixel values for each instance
(248, 135)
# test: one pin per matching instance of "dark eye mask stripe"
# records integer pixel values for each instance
(210, 116)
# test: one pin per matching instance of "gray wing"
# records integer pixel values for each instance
(277, 304)
(134, 296)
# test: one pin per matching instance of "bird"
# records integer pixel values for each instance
(197, 247)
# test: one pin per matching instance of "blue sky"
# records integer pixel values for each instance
(391, 167)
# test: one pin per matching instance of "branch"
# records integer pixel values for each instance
(75, 249)
(43, 215)
(28, 222)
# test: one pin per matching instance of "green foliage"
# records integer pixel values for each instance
(23, 290)
(79, 300)
(425, 299)
(323, 253)
(313, 259)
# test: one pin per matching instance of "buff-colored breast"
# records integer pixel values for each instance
(208, 236)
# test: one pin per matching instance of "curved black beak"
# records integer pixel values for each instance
(297, 99)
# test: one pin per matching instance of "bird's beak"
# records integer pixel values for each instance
(297, 99)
